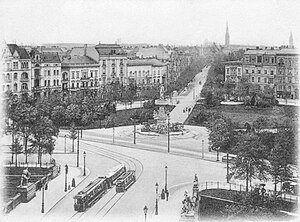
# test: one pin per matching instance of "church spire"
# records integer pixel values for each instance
(227, 37)
(291, 41)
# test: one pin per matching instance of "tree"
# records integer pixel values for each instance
(73, 135)
(221, 135)
(58, 116)
(250, 162)
(25, 120)
(17, 149)
(261, 123)
(42, 136)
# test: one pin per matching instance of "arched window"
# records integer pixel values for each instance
(8, 87)
(15, 76)
(24, 75)
(24, 86)
(15, 87)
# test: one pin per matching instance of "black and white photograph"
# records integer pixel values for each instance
(149, 110)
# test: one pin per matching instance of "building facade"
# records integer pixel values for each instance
(233, 71)
(46, 72)
(16, 73)
(79, 72)
(146, 71)
(112, 63)
(275, 68)
(259, 66)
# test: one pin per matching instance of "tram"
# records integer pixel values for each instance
(125, 181)
(90, 194)
(114, 174)
(95, 189)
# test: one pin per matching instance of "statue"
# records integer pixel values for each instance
(161, 93)
(25, 177)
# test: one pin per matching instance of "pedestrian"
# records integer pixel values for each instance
(190, 109)
(183, 111)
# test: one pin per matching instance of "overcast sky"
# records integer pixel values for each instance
(179, 22)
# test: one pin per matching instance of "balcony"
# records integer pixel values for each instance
(85, 78)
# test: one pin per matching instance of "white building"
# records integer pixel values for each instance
(16, 73)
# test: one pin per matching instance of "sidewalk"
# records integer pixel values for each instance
(188, 98)
(53, 194)
(170, 210)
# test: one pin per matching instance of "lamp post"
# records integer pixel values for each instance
(65, 143)
(134, 131)
(218, 153)
(156, 200)
(227, 166)
(44, 187)
(145, 212)
(78, 149)
(202, 149)
(113, 134)
(168, 132)
(66, 178)
(166, 181)
(84, 155)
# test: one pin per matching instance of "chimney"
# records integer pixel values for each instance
(84, 49)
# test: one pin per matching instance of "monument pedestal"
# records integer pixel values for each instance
(27, 192)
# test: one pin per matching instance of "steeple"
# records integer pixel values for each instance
(227, 37)
(291, 41)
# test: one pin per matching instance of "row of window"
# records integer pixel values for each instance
(24, 86)
(48, 72)
(55, 82)
(7, 76)
(84, 74)
(259, 71)
(24, 65)
(263, 80)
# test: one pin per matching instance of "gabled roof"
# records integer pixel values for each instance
(20, 51)
(90, 52)
(78, 59)
(50, 57)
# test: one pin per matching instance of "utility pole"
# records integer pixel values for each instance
(78, 150)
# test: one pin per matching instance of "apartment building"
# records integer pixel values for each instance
(16, 73)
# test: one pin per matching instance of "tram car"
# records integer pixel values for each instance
(125, 181)
(114, 174)
(90, 194)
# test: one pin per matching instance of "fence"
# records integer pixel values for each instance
(240, 187)
(31, 164)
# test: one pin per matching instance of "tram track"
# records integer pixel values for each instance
(128, 161)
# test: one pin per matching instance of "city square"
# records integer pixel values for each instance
(116, 131)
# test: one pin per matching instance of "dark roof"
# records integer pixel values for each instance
(50, 57)
(79, 59)
(107, 46)
(145, 62)
(21, 51)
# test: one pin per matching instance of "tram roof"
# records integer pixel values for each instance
(91, 185)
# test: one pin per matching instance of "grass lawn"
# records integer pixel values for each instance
(242, 114)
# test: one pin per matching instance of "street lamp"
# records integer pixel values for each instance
(145, 212)
(156, 202)
(202, 149)
(78, 149)
(66, 178)
(44, 187)
(134, 139)
(65, 143)
(218, 148)
(227, 165)
(84, 154)
(168, 132)
(166, 181)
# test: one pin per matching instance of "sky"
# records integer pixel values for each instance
(175, 22)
